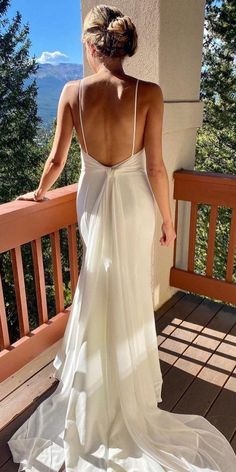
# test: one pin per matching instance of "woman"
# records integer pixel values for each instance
(103, 416)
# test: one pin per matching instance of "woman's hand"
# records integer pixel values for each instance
(34, 196)
(168, 233)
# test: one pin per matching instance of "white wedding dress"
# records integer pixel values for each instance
(103, 415)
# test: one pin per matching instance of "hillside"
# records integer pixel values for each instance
(50, 81)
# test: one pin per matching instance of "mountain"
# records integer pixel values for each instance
(50, 80)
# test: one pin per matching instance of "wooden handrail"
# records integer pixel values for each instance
(27, 222)
(23, 222)
(215, 190)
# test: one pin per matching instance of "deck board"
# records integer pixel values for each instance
(197, 349)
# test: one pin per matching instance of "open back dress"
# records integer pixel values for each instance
(104, 413)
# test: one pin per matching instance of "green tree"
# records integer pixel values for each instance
(24, 147)
(19, 121)
(216, 139)
(69, 175)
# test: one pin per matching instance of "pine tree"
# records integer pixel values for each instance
(216, 139)
(24, 148)
(18, 108)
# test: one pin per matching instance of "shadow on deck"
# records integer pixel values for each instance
(197, 349)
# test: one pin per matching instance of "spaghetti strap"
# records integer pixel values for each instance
(81, 122)
(135, 114)
(103, 415)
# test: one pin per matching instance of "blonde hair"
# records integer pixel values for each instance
(111, 32)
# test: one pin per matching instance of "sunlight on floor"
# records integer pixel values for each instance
(204, 353)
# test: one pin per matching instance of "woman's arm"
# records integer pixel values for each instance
(156, 170)
(61, 144)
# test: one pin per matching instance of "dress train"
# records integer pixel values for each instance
(104, 414)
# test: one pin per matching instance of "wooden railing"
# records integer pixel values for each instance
(215, 190)
(27, 221)
(24, 222)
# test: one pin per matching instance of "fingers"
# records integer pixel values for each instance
(21, 197)
(166, 241)
(30, 197)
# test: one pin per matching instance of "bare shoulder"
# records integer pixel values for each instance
(70, 92)
(152, 92)
(70, 87)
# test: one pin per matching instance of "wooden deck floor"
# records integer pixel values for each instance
(197, 348)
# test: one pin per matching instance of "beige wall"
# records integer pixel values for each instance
(169, 53)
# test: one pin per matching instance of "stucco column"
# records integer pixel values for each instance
(170, 54)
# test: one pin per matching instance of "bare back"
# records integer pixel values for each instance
(108, 116)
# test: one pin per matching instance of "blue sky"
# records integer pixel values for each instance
(55, 28)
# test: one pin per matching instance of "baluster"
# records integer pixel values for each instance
(231, 248)
(4, 333)
(176, 226)
(39, 280)
(57, 270)
(192, 236)
(211, 241)
(18, 274)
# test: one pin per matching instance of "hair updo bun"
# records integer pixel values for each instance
(112, 33)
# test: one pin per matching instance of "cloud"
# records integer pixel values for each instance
(52, 57)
